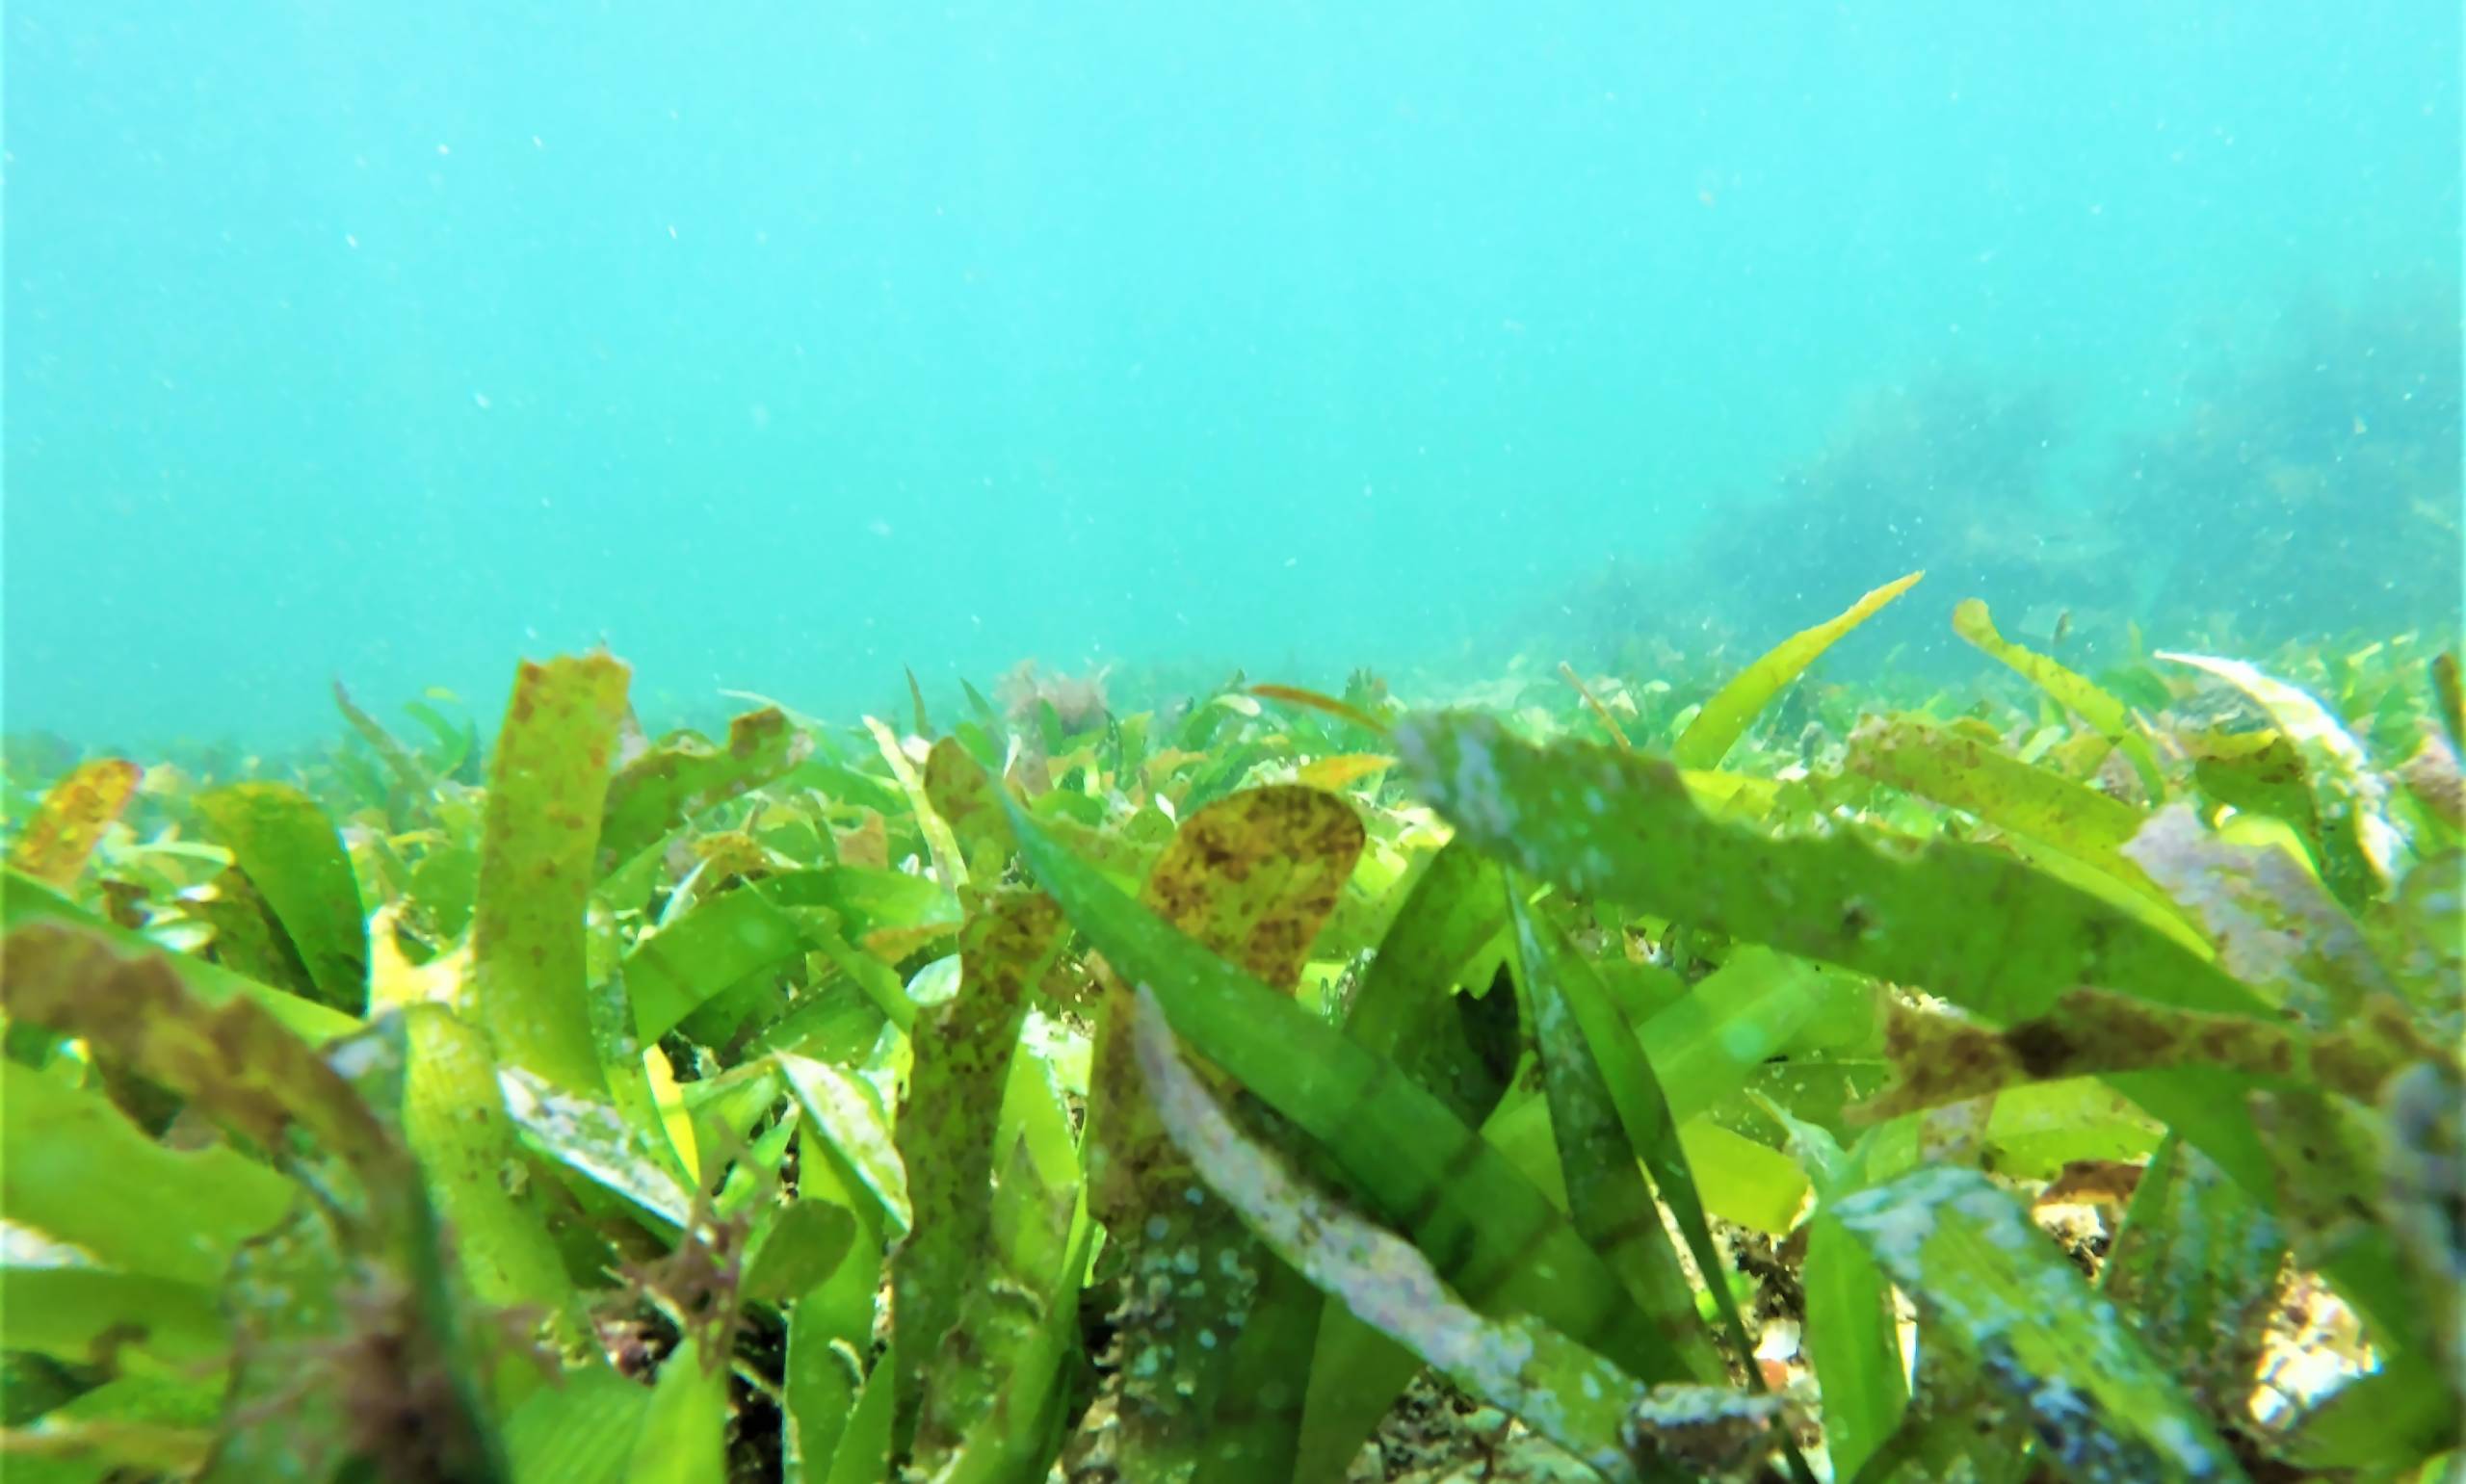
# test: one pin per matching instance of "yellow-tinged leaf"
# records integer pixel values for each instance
(1255, 875)
(893, 944)
(948, 866)
(1344, 768)
(546, 783)
(1741, 1179)
(1297, 695)
(670, 1099)
(65, 829)
(395, 983)
(1726, 717)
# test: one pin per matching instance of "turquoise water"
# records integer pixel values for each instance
(781, 345)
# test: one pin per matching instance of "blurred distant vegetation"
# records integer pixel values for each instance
(2303, 480)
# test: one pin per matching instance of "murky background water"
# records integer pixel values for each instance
(783, 344)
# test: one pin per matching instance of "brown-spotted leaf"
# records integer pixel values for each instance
(947, 1123)
(64, 831)
(1255, 875)
(2088, 1032)
(956, 786)
(1252, 877)
(232, 1061)
(547, 785)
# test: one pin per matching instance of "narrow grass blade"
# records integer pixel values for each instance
(2074, 691)
(1578, 1398)
(1611, 1206)
(950, 868)
(1296, 696)
(1492, 1235)
(1727, 716)
(416, 781)
(1253, 878)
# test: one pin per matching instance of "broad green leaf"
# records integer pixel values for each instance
(1919, 757)
(1851, 1339)
(232, 1061)
(547, 781)
(630, 1158)
(684, 776)
(134, 1424)
(842, 1111)
(237, 1065)
(74, 1169)
(959, 790)
(25, 902)
(2035, 1129)
(455, 1120)
(1726, 717)
(1009, 1365)
(1705, 1044)
(248, 940)
(1741, 1180)
(1851, 1342)
(832, 1327)
(718, 942)
(1980, 1270)
(1965, 922)
(864, 1451)
(1942, 1059)
(295, 859)
(581, 1432)
(683, 1435)
(59, 1305)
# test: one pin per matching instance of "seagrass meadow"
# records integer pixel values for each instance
(1585, 1075)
